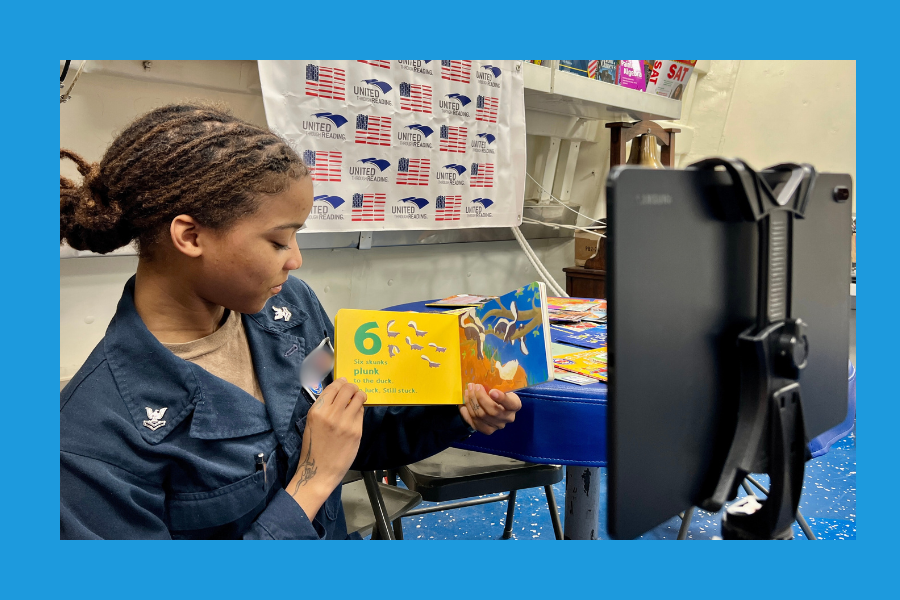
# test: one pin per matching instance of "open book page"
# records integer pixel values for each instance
(505, 344)
(399, 357)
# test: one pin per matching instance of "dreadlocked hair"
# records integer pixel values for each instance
(179, 159)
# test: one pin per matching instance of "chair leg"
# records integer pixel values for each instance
(398, 523)
(510, 510)
(685, 523)
(554, 512)
(382, 525)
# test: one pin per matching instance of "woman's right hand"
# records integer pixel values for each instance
(330, 443)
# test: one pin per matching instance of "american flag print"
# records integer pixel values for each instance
(592, 68)
(481, 175)
(453, 139)
(384, 64)
(486, 109)
(325, 82)
(325, 166)
(447, 208)
(373, 131)
(368, 207)
(456, 70)
(415, 97)
(413, 171)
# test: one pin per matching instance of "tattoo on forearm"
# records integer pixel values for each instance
(306, 470)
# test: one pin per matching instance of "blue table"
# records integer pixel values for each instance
(560, 423)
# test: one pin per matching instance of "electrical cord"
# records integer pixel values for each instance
(564, 226)
(65, 71)
(65, 97)
(566, 206)
(536, 263)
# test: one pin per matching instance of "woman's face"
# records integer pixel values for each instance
(245, 266)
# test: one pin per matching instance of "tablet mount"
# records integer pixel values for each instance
(770, 436)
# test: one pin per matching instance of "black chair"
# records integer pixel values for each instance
(456, 474)
(370, 506)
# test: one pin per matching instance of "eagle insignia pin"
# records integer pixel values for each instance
(154, 417)
(282, 313)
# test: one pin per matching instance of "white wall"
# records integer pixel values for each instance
(762, 111)
(767, 112)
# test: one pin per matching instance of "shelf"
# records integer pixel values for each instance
(562, 93)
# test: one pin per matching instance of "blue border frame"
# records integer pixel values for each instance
(170, 30)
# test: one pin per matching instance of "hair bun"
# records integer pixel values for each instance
(88, 218)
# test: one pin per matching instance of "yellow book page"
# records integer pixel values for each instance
(399, 358)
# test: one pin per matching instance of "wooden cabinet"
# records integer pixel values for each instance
(585, 283)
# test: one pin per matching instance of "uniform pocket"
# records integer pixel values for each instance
(213, 508)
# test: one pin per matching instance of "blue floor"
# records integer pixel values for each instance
(828, 504)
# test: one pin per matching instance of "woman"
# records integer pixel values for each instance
(188, 420)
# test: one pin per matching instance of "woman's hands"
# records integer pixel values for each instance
(330, 444)
(488, 412)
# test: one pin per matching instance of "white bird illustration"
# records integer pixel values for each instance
(507, 371)
(436, 347)
(430, 364)
(388, 328)
(504, 328)
(413, 346)
(393, 350)
(416, 329)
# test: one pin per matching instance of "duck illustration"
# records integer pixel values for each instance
(436, 347)
(388, 329)
(430, 364)
(413, 346)
(393, 350)
(507, 371)
(416, 329)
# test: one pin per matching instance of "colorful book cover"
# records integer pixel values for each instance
(585, 337)
(631, 74)
(669, 77)
(607, 71)
(557, 303)
(560, 375)
(403, 358)
(590, 363)
(578, 67)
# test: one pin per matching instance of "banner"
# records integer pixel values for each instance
(404, 144)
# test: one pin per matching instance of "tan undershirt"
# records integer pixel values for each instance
(224, 353)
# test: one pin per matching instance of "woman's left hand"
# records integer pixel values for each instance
(488, 412)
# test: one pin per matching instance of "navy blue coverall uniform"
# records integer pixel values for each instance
(191, 471)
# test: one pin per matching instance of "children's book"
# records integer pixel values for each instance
(429, 358)
(590, 363)
(586, 337)
(560, 375)
(460, 300)
(556, 303)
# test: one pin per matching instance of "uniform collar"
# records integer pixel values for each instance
(150, 377)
